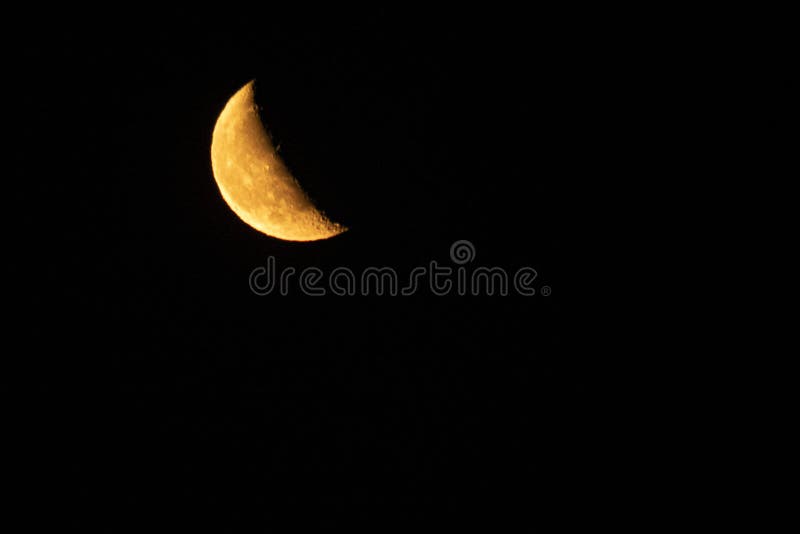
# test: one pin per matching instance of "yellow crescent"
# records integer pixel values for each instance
(255, 182)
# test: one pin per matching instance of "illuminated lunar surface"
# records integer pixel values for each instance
(255, 182)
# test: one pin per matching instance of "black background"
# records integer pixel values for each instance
(168, 390)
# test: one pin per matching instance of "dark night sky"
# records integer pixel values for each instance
(170, 387)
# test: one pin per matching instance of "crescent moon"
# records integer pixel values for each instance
(255, 182)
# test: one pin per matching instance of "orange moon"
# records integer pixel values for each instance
(255, 182)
